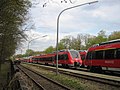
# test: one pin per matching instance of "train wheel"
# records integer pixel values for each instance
(91, 68)
(46, 63)
(63, 65)
(100, 69)
(66, 66)
(82, 66)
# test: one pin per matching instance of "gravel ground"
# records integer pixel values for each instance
(44, 82)
(25, 82)
(74, 83)
(85, 84)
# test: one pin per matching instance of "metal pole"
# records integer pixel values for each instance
(58, 29)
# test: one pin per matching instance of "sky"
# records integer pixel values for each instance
(86, 19)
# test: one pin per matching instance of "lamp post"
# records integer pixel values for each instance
(58, 29)
(34, 39)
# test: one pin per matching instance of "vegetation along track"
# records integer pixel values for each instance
(41, 81)
(105, 79)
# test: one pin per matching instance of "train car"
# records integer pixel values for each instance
(44, 59)
(65, 58)
(69, 58)
(26, 59)
(82, 55)
(104, 56)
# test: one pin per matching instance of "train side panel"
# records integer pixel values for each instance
(104, 57)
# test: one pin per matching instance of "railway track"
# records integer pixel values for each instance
(104, 79)
(42, 82)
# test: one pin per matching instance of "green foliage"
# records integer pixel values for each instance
(114, 35)
(19, 56)
(96, 39)
(29, 52)
(12, 17)
(50, 49)
(65, 42)
(81, 42)
(60, 46)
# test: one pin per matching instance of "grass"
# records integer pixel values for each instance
(71, 82)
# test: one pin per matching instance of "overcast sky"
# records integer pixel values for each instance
(87, 19)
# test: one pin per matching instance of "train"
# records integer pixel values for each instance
(66, 58)
(83, 56)
(103, 56)
(99, 57)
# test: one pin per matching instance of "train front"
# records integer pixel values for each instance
(75, 58)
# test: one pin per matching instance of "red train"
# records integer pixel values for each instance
(104, 56)
(65, 58)
(82, 55)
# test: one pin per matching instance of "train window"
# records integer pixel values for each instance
(43, 59)
(50, 58)
(39, 59)
(82, 57)
(65, 57)
(89, 56)
(53, 58)
(118, 53)
(47, 59)
(99, 55)
(93, 55)
(74, 54)
(61, 57)
(109, 54)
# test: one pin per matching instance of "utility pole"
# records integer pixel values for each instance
(58, 28)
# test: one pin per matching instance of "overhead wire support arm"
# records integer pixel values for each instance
(58, 28)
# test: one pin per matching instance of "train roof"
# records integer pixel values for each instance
(82, 50)
(106, 45)
(65, 50)
(109, 42)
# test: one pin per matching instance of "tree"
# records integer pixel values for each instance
(79, 41)
(29, 52)
(114, 35)
(91, 40)
(66, 42)
(50, 49)
(101, 37)
(60, 46)
(12, 17)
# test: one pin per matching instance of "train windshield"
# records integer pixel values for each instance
(74, 54)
